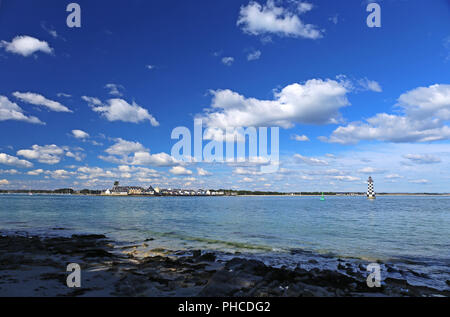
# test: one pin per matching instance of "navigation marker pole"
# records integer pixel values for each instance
(370, 191)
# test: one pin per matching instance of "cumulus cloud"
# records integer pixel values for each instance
(334, 19)
(115, 89)
(304, 7)
(425, 111)
(10, 172)
(26, 45)
(49, 154)
(92, 101)
(160, 159)
(371, 85)
(119, 110)
(4, 182)
(80, 134)
(203, 172)
(61, 174)
(39, 100)
(310, 160)
(257, 19)
(253, 56)
(346, 178)
(36, 172)
(123, 147)
(134, 153)
(300, 138)
(11, 111)
(427, 102)
(370, 170)
(419, 181)
(180, 170)
(393, 176)
(314, 102)
(14, 161)
(422, 158)
(228, 60)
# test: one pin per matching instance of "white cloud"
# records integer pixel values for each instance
(4, 182)
(78, 156)
(49, 154)
(180, 170)
(36, 172)
(334, 19)
(370, 170)
(115, 89)
(80, 134)
(150, 67)
(120, 110)
(26, 45)
(160, 159)
(422, 158)
(49, 30)
(123, 148)
(300, 138)
(393, 176)
(304, 7)
(134, 153)
(314, 102)
(39, 100)
(346, 178)
(11, 111)
(203, 172)
(61, 174)
(257, 19)
(92, 101)
(243, 171)
(420, 181)
(310, 160)
(14, 161)
(10, 172)
(228, 60)
(425, 111)
(253, 56)
(427, 102)
(371, 85)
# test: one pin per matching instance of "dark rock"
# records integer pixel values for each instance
(208, 257)
(97, 253)
(89, 236)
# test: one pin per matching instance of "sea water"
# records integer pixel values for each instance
(411, 230)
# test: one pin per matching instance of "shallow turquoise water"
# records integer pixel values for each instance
(389, 227)
(410, 232)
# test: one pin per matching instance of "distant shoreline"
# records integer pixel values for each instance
(247, 195)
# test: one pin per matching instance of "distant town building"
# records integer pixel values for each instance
(118, 190)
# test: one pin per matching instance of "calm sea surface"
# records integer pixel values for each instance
(411, 229)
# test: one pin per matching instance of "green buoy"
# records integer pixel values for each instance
(322, 198)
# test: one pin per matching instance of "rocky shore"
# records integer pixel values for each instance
(35, 266)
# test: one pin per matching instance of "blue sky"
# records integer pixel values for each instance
(82, 107)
